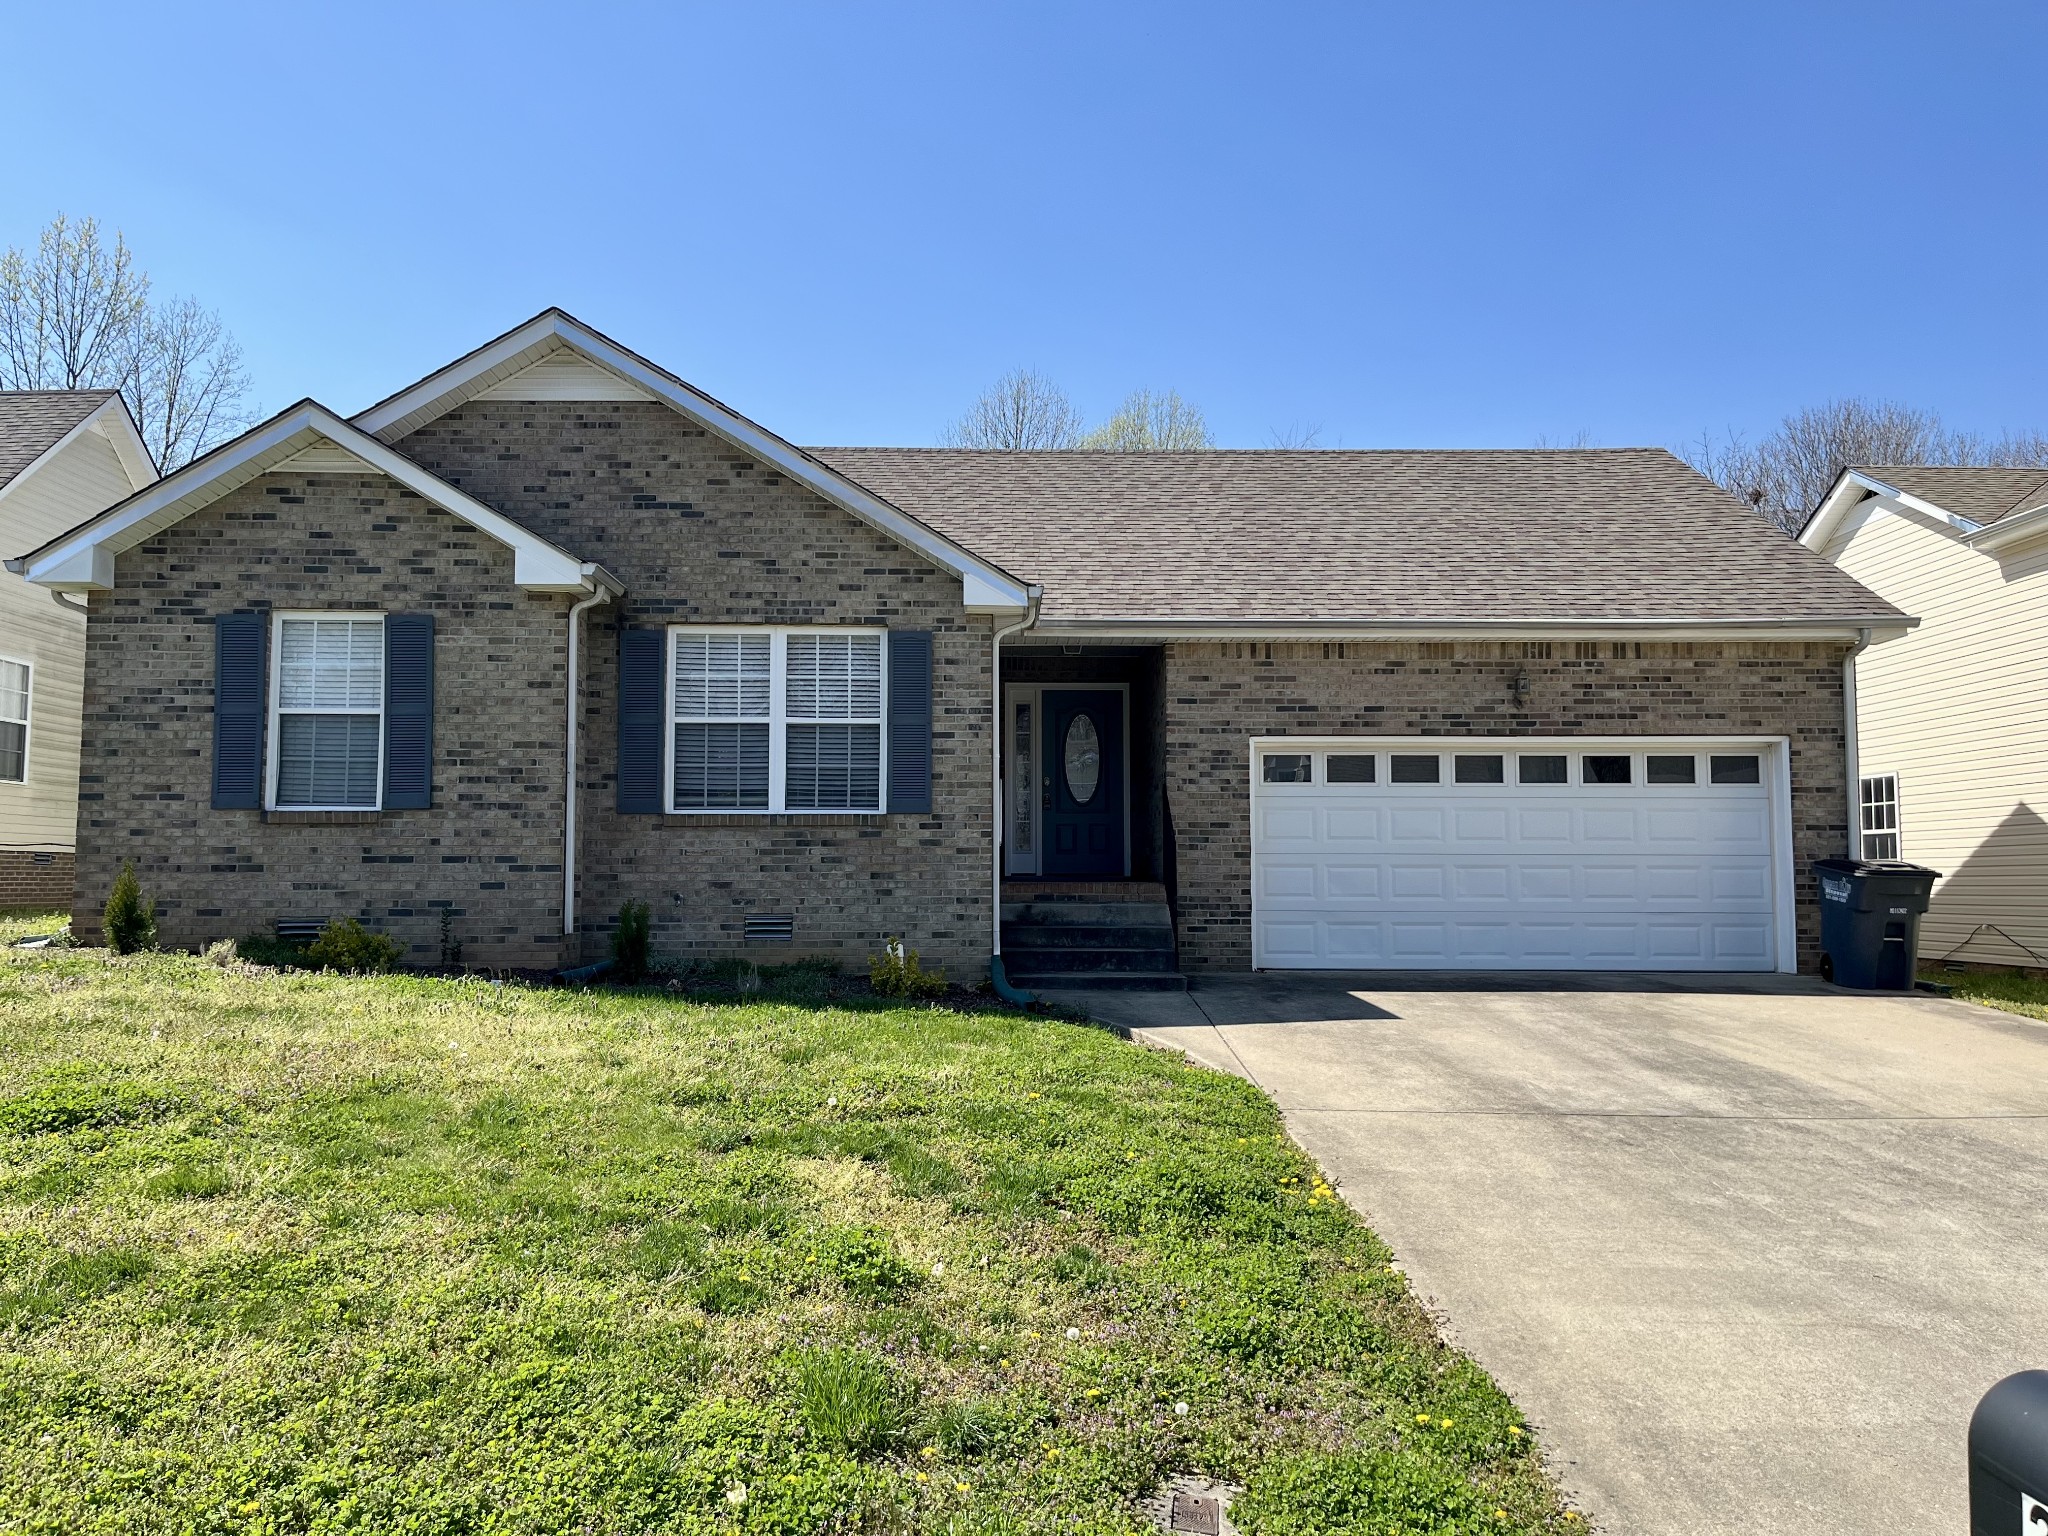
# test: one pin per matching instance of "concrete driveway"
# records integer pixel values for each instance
(1747, 1251)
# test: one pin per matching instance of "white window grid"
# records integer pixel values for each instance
(778, 676)
(302, 686)
(17, 683)
(1878, 805)
(1511, 779)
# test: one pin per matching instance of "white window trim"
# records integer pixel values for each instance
(28, 729)
(777, 720)
(1864, 804)
(273, 713)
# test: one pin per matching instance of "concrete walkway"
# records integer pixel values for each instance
(1746, 1250)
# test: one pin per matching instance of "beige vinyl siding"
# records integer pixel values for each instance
(1958, 709)
(85, 478)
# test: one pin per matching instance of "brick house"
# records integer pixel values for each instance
(1121, 715)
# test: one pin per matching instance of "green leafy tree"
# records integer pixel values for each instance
(1152, 423)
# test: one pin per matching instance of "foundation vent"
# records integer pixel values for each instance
(770, 928)
(294, 928)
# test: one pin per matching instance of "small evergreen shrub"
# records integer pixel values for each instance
(346, 945)
(631, 940)
(128, 919)
(895, 972)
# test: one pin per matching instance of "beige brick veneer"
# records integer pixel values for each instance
(1219, 696)
(701, 534)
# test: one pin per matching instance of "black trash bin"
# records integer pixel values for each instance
(1870, 921)
(2009, 1458)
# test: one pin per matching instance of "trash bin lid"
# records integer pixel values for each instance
(1874, 867)
(2010, 1426)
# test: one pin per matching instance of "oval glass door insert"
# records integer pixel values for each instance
(1081, 753)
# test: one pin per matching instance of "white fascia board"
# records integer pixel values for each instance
(83, 559)
(1854, 488)
(2007, 531)
(111, 420)
(1788, 628)
(986, 588)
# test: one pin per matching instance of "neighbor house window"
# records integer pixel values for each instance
(774, 720)
(1880, 816)
(13, 722)
(328, 736)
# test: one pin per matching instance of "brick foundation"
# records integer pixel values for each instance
(39, 880)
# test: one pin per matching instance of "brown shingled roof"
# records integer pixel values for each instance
(1982, 493)
(1456, 536)
(32, 421)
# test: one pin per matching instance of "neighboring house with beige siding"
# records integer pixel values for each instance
(65, 455)
(1952, 718)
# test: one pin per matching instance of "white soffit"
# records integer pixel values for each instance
(986, 588)
(563, 375)
(311, 438)
(110, 420)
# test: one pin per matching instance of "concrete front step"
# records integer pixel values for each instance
(1088, 914)
(1100, 981)
(1074, 936)
(1073, 961)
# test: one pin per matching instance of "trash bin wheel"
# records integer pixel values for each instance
(1827, 967)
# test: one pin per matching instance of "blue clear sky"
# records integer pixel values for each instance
(1414, 224)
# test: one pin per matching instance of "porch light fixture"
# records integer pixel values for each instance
(1521, 686)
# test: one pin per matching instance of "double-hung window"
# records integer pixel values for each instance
(327, 734)
(13, 721)
(776, 720)
(14, 676)
(1879, 804)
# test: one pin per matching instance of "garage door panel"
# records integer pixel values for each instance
(1416, 882)
(1482, 824)
(1555, 876)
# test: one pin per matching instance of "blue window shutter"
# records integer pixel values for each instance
(408, 711)
(642, 653)
(238, 711)
(910, 720)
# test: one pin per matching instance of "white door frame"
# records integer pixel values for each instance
(1776, 752)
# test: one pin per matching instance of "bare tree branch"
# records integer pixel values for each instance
(1296, 434)
(1022, 410)
(77, 315)
(1785, 474)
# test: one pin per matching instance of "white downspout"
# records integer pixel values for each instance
(995, 662)
(603, 594)
(1850, 744)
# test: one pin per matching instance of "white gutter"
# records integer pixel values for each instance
(1033, 594)
(1362, 631)
(1850, 744)
(606, 587)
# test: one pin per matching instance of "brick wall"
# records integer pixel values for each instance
(1218, 696)
(490, 848)
(699, 533)
(36, 879)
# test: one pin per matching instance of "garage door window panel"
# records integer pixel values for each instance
(1479, 768)
(1665, 768)
(1416, 768)
(1351, 768)
(1735, 768)
(1289, 768)
(1606, 768)
(1543, 768)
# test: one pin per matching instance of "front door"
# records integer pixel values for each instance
(1083, 774)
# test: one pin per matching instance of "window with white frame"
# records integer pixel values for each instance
(1879, 800)
(14, 677)
(327, 735)
(776, 720)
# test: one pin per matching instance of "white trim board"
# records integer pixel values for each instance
(82, 560)
(986, 588)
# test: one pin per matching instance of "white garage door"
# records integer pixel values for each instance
(1538, 854)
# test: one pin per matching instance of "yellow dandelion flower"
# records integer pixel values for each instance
(1443, 1423)
(1514, 1429)
(1093, 1392)
(930, 1450)
(924, 1477)
(960, 1488)
(1422, 1418)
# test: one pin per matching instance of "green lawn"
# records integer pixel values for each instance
(292, 1252)
(2010, 990)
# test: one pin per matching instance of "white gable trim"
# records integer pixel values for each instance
(111, 420)
(1858, 493)
(986, 588)
(83, 559)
